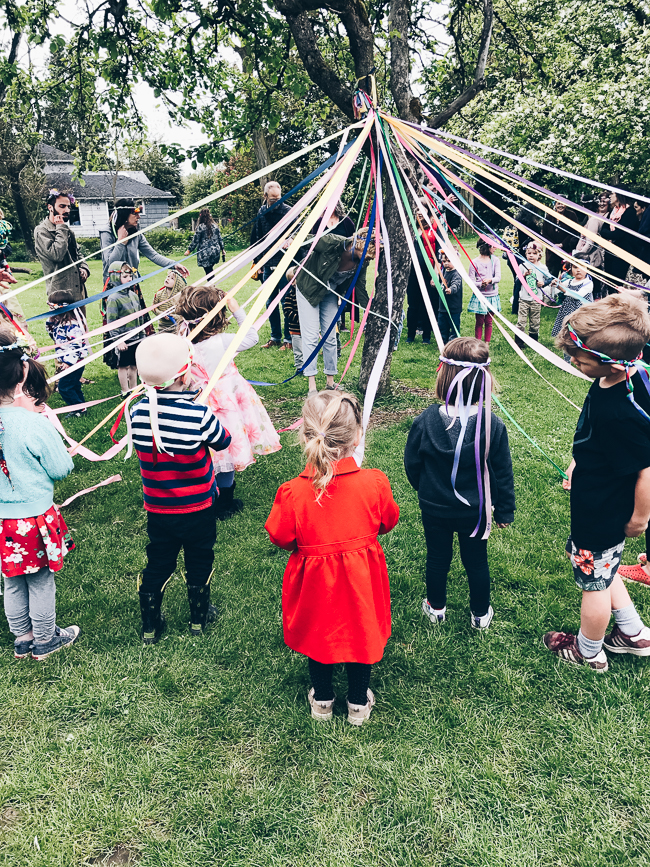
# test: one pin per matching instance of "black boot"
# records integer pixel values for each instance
(520, 343)
(534, 336)
(153, 620)
(227, 506)
(201, 612)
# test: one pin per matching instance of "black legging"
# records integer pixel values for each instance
(358, 673)
(439, 534)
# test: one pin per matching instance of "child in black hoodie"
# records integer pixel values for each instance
(457, 486)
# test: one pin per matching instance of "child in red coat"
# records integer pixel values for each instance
(335, 594)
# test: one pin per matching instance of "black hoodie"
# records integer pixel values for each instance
(429, 459)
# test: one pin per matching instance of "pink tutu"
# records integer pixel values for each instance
(239, 409)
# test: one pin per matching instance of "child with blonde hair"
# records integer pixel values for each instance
(232, 399)
(335, 594)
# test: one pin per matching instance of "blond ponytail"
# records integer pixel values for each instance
(331, 421)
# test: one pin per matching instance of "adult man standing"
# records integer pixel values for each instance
(123, 226)
(268, 216)
(56, 247)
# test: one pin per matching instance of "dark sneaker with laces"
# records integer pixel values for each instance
(637, 645)
(61, 638)
(565, 646)
(23, 649)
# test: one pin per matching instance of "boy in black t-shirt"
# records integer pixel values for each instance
(609, 475)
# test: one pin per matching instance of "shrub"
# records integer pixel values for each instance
(88, 246)
(169, 240)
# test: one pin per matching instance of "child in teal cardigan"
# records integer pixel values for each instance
(33, 535)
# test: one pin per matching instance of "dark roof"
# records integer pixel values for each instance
(54, 155)
(99, 187)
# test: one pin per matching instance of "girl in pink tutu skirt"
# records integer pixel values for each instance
(232, 399)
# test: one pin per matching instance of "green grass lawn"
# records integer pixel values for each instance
(483, 749)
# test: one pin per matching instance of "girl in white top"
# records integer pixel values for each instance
(233, 400)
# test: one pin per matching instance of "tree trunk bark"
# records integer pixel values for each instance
(262, 157)
(400, 267)
(23, 220)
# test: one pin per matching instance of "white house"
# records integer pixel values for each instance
(95, 197)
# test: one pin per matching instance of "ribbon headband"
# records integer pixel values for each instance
(58, 193)
(481, 365)
(631, 367)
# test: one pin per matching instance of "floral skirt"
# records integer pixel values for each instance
(239, 409)
(30, 544)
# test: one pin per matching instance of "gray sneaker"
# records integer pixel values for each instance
(61, 638)
(321, 710)
(359, 713)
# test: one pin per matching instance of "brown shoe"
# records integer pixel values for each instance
(637, 645)
(565, 646)
(271, 344)
(285, 346)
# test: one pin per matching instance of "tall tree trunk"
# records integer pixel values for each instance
(262, 157)
(400, 267)
(25, 225)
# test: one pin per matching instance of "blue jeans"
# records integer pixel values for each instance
(446, 327)
(274, 319)
(70, 388)
(314, 321)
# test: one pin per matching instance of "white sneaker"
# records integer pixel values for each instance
(484, 621)
(321, 710)
(359, 713)
(435, 615)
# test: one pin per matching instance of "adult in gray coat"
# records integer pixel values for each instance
(56, 247)
(124, 224)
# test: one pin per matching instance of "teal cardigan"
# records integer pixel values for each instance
(35, 457)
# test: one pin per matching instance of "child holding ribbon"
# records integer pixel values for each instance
(173, 436)
(34, 538)
(609, 475)
(233, 400)
(335, 594)
(485, 271)
(68, 331)
(536, 276)
(458, 460)
(120, 304)
(171, 288)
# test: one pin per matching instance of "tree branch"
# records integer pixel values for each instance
(399, 20)
(306, 41)
(479, 75)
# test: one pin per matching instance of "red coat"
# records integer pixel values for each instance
(335, 593)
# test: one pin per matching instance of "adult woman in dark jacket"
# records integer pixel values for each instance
(625, 216)
(207, 242)
(558, 233)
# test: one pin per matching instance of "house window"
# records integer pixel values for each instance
(143, 210)
(75, 219)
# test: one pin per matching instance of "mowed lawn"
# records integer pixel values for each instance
(483, 749)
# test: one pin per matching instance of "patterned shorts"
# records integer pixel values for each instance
(594, 570)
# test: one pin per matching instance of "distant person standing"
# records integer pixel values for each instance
(268, 216)
(624, 215)
(208, 243)
(557, 232)
(56, 247)
(5, 231)
(122, 227)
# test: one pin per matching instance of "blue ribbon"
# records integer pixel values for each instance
(82, 303)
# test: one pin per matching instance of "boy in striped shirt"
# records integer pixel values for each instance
(173, 436)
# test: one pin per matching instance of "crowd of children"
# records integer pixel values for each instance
(335, 596)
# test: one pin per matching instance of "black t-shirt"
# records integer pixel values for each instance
(610, 447)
